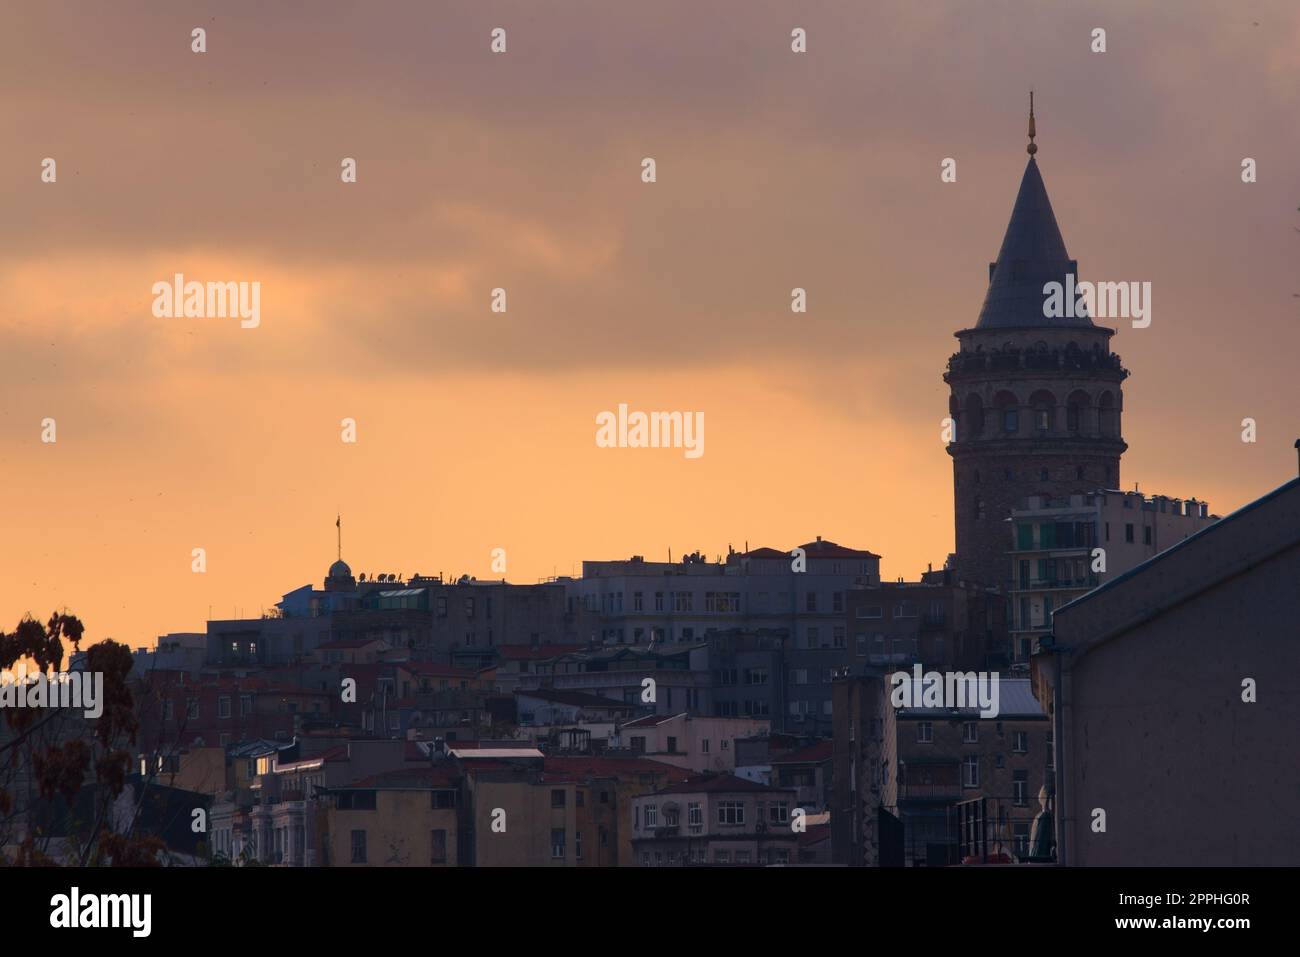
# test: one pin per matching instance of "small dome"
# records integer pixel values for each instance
(340, 570)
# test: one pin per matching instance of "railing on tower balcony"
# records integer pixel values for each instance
(1008, 360)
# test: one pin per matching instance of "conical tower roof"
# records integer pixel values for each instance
(1032, 254)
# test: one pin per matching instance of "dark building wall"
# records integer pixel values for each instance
(864, 773)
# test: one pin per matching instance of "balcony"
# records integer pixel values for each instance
(1088, 582)
(999, 360)
(943, 793)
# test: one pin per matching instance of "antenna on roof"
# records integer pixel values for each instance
(1032, 148)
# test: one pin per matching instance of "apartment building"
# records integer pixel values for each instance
(1061, 549)
(715, 820)
(697, 743)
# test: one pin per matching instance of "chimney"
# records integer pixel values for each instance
(1297, 447)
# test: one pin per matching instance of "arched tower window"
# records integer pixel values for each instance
(979, 509)
(1107, 414)
(973, 420)
(1044, 410)
(1008, 412)
(1076, 412)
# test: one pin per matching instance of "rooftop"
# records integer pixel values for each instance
(1032, 254)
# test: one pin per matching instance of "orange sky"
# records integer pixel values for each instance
(476, 430)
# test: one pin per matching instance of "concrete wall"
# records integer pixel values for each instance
(1154, 729)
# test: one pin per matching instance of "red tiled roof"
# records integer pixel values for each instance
(434, 669)
(718, 784)
(814, 753)
(528, 653)
(431, 776)
(815, 835)
(337, 753)
(652, 720)
(828, 549)
(821, 549)
(577, 698)
(340, 644)
(765, 553)
(585, 766)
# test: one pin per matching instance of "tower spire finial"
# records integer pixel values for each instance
(1032, 148)
(338, 523)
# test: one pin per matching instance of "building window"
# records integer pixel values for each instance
(1020, 788)
(810, 601)
(358, 847)
(192, 709)
(557, 798)
(672, 745)
(870, 611)
(970, 732)
(1020, 833)
(438, 843)
(1021, 742)
(683, 601)
(636, 601)
(837, 602)
(1128, 532)
(778, 812)
(731, 812)
(1051, 751)
(577, 845)
(970, 771)
(979, 509)
(1146, 535)
(1042, 475)
(442, 607)
(557, 843)
(651, 815)
(223, 706)
(694, 816)
(1011, 421)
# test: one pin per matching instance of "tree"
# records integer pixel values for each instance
(49, 753)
